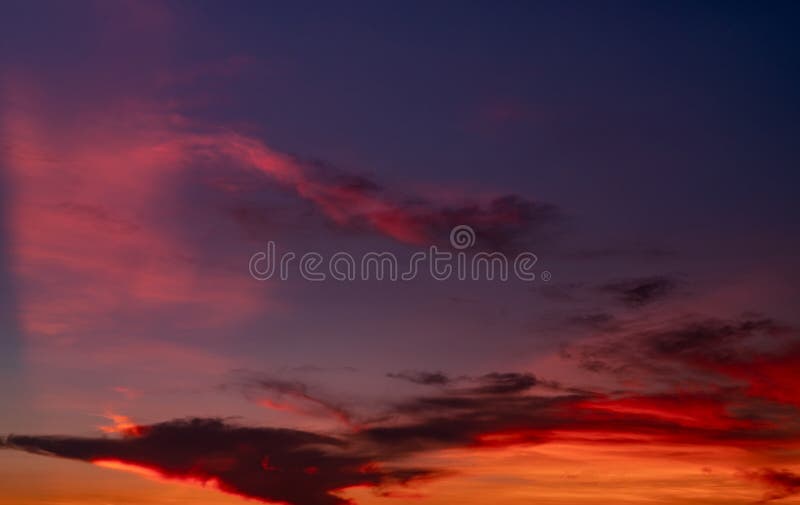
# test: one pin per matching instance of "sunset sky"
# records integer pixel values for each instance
(646, 153)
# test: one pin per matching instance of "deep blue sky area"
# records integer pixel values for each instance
(586, 104)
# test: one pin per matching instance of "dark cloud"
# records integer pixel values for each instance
(505, 223)
(423, 378)
(500, 410)
(268, 464)
(755, 353)
(733, 368)
(695, 341)
(505, 383)
(257, 180)
(641, 291)
(357, 202)
(712, 340)
(501, 223)
(448, 420)
(495, 383)
(305, 468)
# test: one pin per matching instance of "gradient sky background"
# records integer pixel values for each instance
(646, 152)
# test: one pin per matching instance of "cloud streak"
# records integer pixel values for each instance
(357, 202)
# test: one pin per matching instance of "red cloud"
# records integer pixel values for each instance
(781, 483)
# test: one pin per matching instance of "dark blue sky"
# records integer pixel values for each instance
(685, 112)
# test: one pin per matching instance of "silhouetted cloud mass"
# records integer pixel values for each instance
(272, 465)
(423, 378)
(709, 382)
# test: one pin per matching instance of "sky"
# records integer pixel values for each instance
(636, 161)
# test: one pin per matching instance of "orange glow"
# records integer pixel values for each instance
(128, 467)
(149, 473)
(121, 424)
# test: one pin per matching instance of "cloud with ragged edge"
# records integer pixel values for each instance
(305, 468)
(422, 378)
(491, 383)
(703, 404)
(268, 464)
(357, 202)
(756, 353)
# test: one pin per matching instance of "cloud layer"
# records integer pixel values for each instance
(710, 384)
